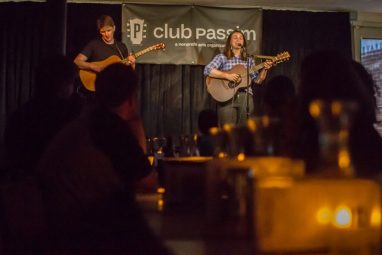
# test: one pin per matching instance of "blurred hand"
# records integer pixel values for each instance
(233, 77)
(268, 64)
(131, 59)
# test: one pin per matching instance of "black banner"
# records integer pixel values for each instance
(190, 34)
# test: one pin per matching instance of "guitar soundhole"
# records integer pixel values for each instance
(231, 84)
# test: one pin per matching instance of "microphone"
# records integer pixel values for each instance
(242, 48)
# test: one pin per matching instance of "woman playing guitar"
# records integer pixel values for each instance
(235, 110)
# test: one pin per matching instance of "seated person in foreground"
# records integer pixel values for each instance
(33, 125)
(90, 171)
(327, 75)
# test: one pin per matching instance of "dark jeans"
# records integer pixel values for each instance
(235, 110)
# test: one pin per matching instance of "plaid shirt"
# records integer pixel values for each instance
(221, 62)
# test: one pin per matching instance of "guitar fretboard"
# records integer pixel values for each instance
(257, 67)
(140, 53)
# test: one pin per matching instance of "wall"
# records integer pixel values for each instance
(364, 25)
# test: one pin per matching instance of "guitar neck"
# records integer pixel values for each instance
(256, 67)
(277, 59)
(140, 53)
(144, 51)
(136, 55)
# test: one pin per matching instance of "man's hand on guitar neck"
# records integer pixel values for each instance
(131, 60)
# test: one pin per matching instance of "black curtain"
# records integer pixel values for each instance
(171, 95)
(21, 46)
(300, 33)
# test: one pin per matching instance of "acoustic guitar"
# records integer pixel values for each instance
(88, 77)
(223, 90)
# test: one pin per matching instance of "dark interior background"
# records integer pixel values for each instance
(171, 95)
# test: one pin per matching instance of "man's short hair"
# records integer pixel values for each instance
(115, 84)
(104, 20)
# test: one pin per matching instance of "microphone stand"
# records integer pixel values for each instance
(248, 85)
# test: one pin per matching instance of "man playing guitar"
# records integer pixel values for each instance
(101, 48)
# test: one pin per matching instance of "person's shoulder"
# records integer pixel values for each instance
(71, 138)
(95, 41)
(120, 43)
(91, 45)
(220, 56)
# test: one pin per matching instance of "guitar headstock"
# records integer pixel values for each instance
(281, 57)
(159, 46)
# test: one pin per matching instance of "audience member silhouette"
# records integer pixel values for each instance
(366, 79)
(278, 102)
(372, 88)
(89, 172)
(28, 132)
(279, 93)
(206, 120)
(328, 75)
(30, 128)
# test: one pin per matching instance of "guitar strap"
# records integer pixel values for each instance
(119, 51)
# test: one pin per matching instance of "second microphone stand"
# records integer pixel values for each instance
(247, 58)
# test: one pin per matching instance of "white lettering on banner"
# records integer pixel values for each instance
(186, 30)
(211, 34)
(201, 45)
(193, 44)
(173, 33)
(183, 32)
(158, 32)
(200, 32)
(214, 45)
(221, 34)
(249, 34)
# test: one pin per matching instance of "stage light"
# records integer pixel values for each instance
(161, 190)
(222, 155)
(324, 216)
(344, 161)
(241, 156)
(375, 217)
(342, 217)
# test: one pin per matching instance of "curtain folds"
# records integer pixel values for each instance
(300, 33)
(171, 98)
(21, 40)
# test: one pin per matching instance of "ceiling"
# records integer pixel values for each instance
(374, 6)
